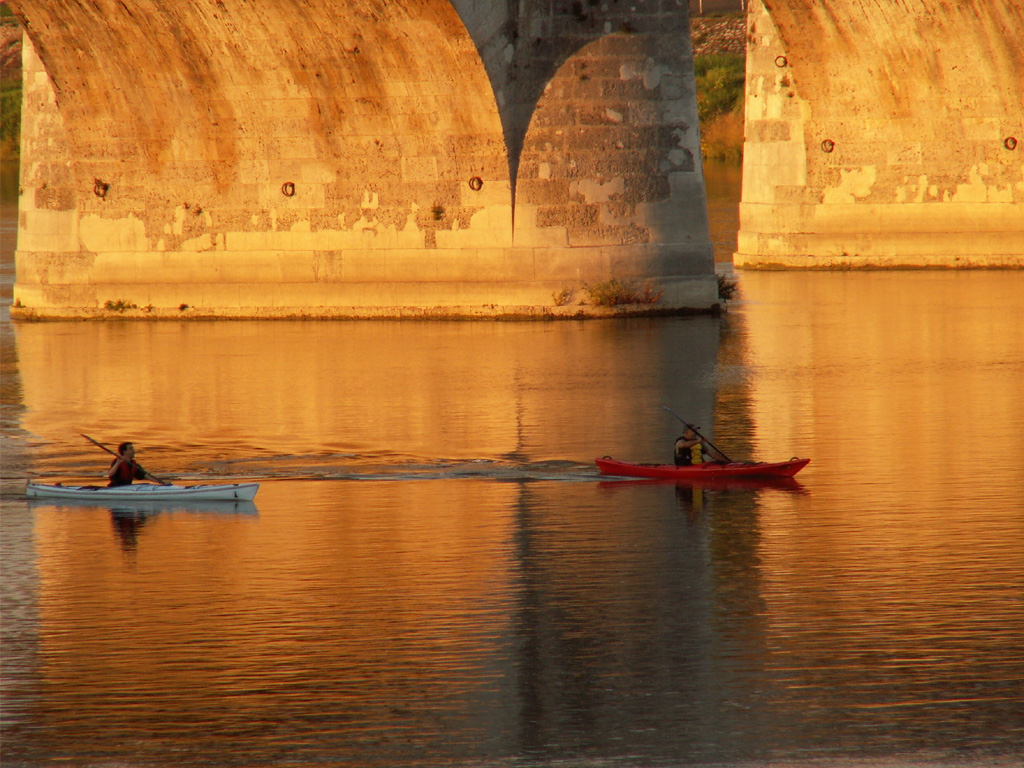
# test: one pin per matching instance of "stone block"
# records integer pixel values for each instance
(454, 265)
(697, 291)
(165, 296)
(494, 195)
(48, 230)
(488, 228)
(229, 295)
(504, 265)
(402, 266)
(541, 237)
(570, 265)
(984, 129)
(364, 266)
(768, 130)
(419, 168)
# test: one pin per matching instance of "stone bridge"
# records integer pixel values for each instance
(883, 133)
(358, 157)
(328, 158)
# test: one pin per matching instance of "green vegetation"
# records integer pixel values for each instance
(10, 119)
(10, 97)
(720, 78)
(720, 82)
(122, 305)
(119, 306)
(614, 292)
(727, 287)
(562, 297)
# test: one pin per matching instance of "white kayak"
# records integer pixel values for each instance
(144, 492)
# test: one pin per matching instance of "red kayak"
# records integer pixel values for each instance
(709, 471)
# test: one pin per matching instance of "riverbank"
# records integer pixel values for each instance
(722, 34)
(719, 61)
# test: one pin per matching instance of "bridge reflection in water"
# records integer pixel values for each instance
(436, 574)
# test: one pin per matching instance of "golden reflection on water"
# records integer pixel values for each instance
(358, 617)
(206, 391)
(375, 599)
(905, 562)
(877, 612)
(909, 379)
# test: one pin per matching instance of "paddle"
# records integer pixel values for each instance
(114, 453)
(704, 439)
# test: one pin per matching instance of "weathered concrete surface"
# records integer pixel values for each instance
(882, 134)
(357, 158)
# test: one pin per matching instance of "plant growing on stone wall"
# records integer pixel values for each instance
(727, 287)
(562, 297)
(119, 306)
(613, 292)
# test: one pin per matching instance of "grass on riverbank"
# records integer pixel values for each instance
(720, 82)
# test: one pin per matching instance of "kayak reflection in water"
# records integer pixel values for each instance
(691, 450)
(124, 469)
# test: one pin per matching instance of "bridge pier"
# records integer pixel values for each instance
(883, 135)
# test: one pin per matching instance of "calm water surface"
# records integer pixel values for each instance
(433, 573)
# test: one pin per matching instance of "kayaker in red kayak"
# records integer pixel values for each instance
(124, 469)
(691, 450)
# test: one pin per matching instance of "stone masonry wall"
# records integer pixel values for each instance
(883, 135)
(610, 151)
(361, 158)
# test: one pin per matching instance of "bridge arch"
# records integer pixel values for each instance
(353, 157)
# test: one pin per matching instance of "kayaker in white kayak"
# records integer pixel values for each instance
(124, 469)
(691, 450)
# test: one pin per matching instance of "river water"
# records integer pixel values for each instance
(433, 572)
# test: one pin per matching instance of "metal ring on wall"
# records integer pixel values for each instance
(828, 145)
(781, 61)
(1010, 143)
(288, 189)
(476, 183)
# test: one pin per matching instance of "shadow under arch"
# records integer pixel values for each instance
(603, 132)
